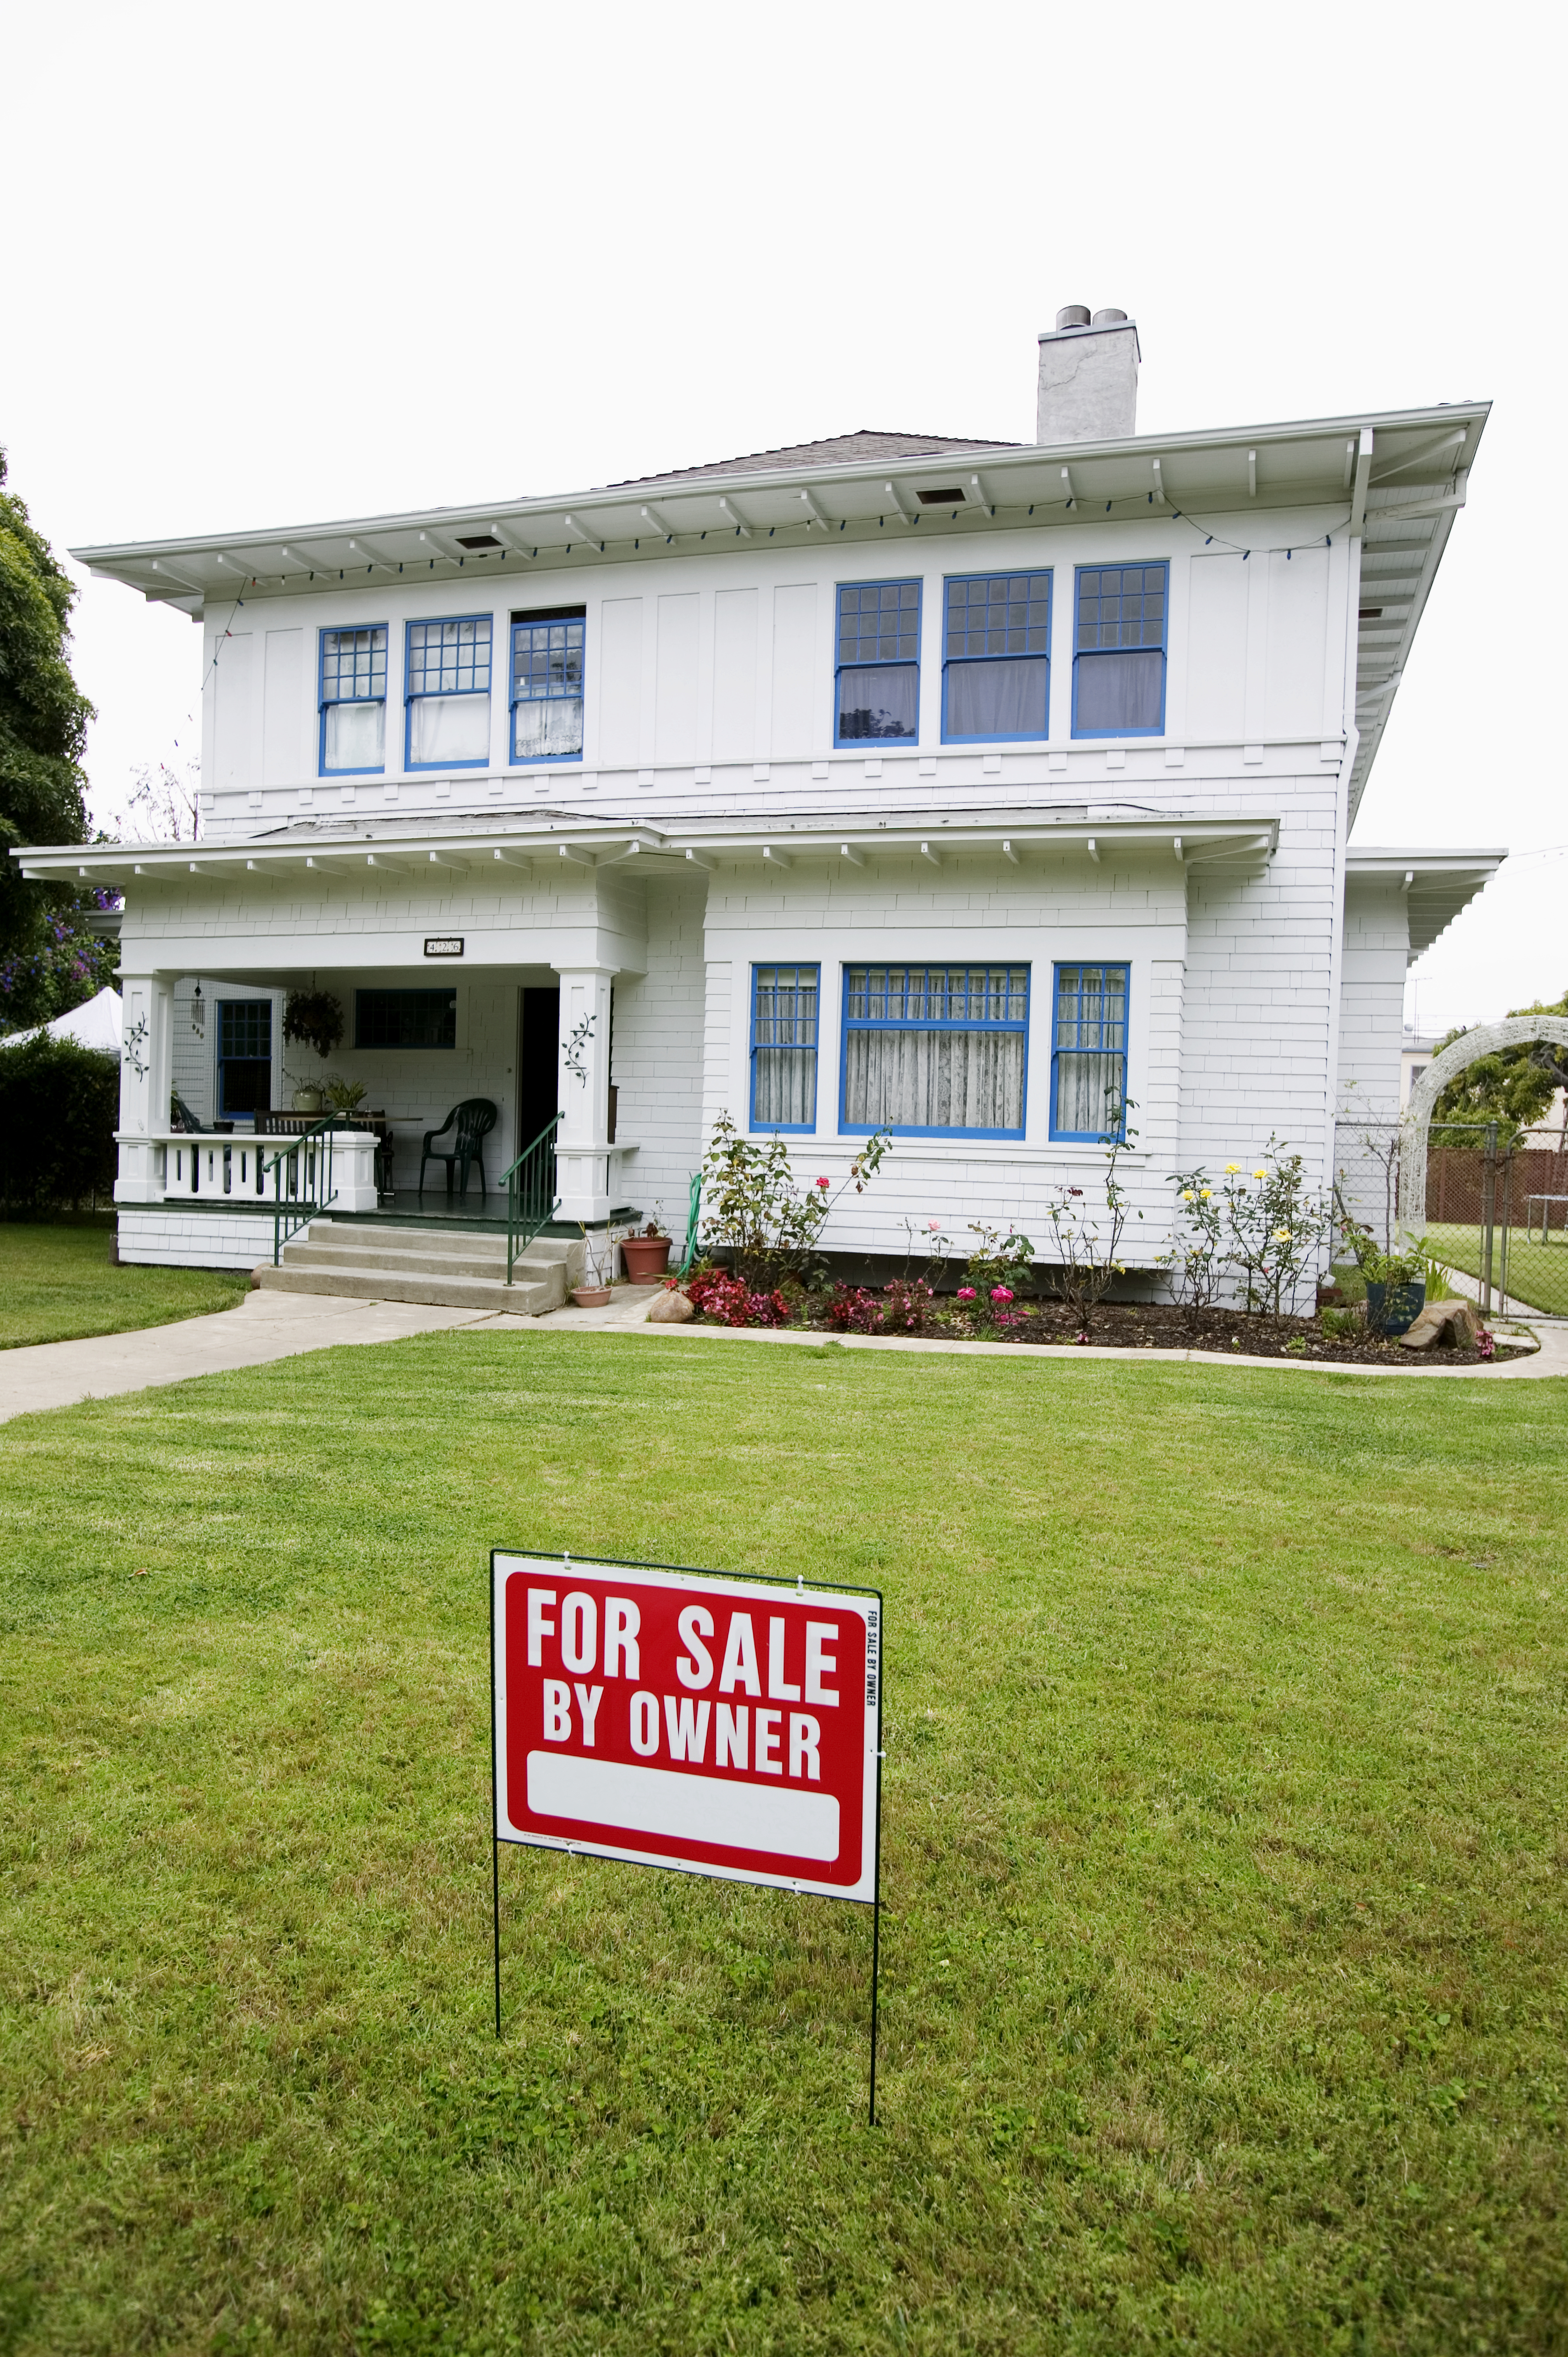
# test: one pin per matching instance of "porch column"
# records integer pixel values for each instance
(146, 1066)
(582, 1142)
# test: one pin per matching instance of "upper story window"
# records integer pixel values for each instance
(547, 685)
(1088, 1052)
(784, 1045)
(997, 658)
(1119, 650)
(448, 693)
(929, 1051)
(353, 698)
(878, 661)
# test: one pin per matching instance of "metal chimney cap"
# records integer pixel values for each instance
(1109, 320)
(1072, 315)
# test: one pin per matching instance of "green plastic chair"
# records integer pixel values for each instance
(473, 1121)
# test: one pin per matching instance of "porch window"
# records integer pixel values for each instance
(1119, 650)
(1088, 1052)
(547, 685)
(244, 1056)
(353, 698)
(784, 1045)
(878, 674)
(448, 693)
(405, 1018)
(936, 1051)
(997, 658)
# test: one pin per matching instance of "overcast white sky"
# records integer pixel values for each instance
(281, 264)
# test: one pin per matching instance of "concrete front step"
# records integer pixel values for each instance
(530, 1299)
(373, 1262)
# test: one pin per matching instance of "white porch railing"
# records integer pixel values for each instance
(237, 1169)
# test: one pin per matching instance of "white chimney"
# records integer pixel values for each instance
(1089, 378)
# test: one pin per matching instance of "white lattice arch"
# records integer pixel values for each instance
(1517, 1031)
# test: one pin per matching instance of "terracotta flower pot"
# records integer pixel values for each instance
(591, 1297)
(645, 1257)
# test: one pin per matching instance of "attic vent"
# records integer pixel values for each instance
(477, 540)
(1369, 614)
(952, 498)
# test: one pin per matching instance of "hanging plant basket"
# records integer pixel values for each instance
(314, 1017)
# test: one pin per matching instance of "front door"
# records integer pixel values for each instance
(538, 1063)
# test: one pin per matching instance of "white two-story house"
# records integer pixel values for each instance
(961, 787)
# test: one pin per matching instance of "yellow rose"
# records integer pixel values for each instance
(1281, 1235)
(1230, 1167)
(1186, 1194)
(1205, 1193)
(1259, 1174)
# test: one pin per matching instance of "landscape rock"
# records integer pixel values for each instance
(671, 1308)
(1452, 1323)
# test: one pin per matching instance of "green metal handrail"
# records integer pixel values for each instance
(531, 1197)
(294, 1206)
(694, 1222)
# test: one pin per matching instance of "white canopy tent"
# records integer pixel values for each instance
(98, 1024)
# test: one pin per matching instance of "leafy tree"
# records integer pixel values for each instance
(43, 728)
(1513, 1086)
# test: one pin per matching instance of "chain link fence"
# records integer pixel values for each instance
(1495, 1215)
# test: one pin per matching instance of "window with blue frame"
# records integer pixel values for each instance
(1119, 650)
(878, 692)
(997, 658)
(447, 689)
(784, 1001)
(1088, 1052)
(244, 1056)
(547, 685)
(936, 1051)
(353, 700)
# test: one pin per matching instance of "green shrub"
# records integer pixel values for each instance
(60, 1106)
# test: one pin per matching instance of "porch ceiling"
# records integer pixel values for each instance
(367, 852)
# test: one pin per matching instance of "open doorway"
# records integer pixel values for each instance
(538, 1062)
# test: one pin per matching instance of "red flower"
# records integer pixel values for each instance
(824, 1182)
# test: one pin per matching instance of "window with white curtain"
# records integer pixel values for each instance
(1088, 1052)
(547, 685)
(995, 665)
(936, 1051)
(353, 701)
(1119, 650)
(878, 661)
(448, 693)
(784, 1000)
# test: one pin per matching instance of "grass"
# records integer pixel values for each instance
(56, 1284)
(1538, 1273)
(1224, 1992)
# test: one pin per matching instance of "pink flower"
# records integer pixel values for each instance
(1001, 1292)
(824, 1182)
(934, 1226)
(966, 1292)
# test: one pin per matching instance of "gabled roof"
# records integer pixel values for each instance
(837, 451)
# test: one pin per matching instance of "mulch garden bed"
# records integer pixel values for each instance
(1150, 1325)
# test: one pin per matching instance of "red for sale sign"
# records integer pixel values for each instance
(681, 1718)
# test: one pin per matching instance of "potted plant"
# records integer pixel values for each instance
(345, 1097)
(314, 1017)
(1396, 1290)
(306, 1096)
(647, 1257)
(593, 1293)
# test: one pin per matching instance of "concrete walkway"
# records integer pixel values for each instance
(264, 1326)
(268, 1326)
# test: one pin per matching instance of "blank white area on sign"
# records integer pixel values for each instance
(730, 1814)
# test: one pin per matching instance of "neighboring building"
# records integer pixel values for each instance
(959, 786)
(1415, 1053)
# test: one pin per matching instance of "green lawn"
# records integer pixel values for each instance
(1225, 1967)
(1538, 1273)
(57, 1284)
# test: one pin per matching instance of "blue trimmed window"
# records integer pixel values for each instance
(547, 685)
(936, 1051)
(878, 686)
(448, 690)
(352, 696)
(405, 1018)
(996, 642)
(244, 1056)
(1088, 1052)
(784, 1006)
(1119, 650)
